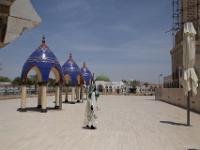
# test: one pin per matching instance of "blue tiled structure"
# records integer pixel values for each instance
(72, 70)
(87, 75)
(44, 60)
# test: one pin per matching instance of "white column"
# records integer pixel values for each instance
(72, 95)
(81, 93)
(78, 94)
(23, 98)
(57, 97)
(60, 95)
(44, 98)
(39, 97)
(86, 93)
(66, 95)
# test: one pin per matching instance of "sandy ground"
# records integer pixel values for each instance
(124, 123)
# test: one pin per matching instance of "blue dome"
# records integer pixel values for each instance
(43, 60)
(72, 70)
(87, 75)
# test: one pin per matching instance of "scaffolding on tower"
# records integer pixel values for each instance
(177, 12)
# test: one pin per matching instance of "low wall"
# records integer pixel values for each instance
(176, 96)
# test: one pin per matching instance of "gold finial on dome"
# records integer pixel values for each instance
(70, 55)
(84, 65)
(43, 39)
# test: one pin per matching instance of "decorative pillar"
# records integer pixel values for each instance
(60, 96)
(86, 93)
(44, 97)
(23, 99)
(57, 97)
(66, 95)
(78, 94)
(72, 95)
(39, 98)
(81, 93)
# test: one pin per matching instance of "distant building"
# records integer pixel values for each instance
(146, 89)
(111, 87)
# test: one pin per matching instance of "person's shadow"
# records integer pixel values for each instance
(35, 109)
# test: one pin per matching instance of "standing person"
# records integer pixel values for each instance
(90, 120)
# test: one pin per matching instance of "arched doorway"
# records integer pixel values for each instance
(100, 88)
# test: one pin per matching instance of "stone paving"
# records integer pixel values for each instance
(125, 123)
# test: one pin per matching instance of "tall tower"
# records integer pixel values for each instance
(189, 10)
(190, 13)
(184, 11)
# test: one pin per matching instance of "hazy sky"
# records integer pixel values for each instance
(120, 38)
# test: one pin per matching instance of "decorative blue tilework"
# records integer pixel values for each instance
(71, 69)
(87, 75)
(44, 59)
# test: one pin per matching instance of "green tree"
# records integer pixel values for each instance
(32, 80)
(52, 82)
(102, 78)
(4, 79)
(17, 81)
(134, 83)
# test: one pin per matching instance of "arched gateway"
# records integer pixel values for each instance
(42, 61)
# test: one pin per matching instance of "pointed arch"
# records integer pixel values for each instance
(67, 79)
(37, 72)
(80, 80)
(56, 74)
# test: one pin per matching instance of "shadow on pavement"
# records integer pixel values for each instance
(174, 123)
(150, 99)
(87, 128)
(35, 109)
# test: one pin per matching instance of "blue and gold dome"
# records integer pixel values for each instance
(72, 72)
(43, 61)
(87, 75)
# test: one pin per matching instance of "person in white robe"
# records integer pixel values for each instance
(90, 118)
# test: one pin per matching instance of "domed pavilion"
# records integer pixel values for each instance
(73, 78)
(87, 77)
(42, 61)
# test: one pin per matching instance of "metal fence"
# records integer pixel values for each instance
(16, 91)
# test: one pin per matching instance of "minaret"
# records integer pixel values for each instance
(189, 12)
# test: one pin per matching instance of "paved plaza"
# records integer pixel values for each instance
(124, 123)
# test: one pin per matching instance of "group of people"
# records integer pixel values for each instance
(90, 118)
